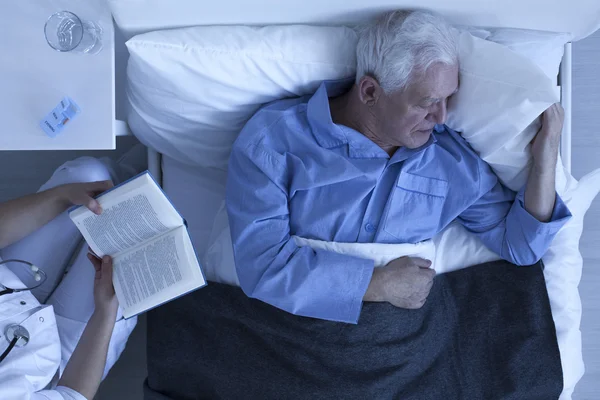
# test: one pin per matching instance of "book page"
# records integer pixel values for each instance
(159, 271)
(132, 214)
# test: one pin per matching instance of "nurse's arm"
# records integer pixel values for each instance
(86, 366)
(22, 216)
(84, 370)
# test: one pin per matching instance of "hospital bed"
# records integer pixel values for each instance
(197, 189)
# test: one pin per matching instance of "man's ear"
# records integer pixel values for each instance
(369, 90)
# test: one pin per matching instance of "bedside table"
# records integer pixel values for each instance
(34, 78)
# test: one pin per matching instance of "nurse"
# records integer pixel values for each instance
(67, 333)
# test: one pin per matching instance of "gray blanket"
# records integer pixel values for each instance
(486, 332)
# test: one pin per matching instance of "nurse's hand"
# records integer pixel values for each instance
(105, 299)
(82, 194)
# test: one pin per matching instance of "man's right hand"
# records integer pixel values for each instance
(405, 282)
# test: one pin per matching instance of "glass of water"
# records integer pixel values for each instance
(65, 32)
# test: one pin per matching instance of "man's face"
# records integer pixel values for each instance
(406, 118)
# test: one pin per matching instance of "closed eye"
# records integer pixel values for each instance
(430, 103)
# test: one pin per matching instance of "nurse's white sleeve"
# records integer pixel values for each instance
(60, 393)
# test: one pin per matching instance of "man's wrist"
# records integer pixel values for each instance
(547, 168)
(375, 289)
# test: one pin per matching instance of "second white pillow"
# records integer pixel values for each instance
(501, 94)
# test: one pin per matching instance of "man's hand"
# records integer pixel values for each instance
(405, 282)
(83, 194)
(546, 143)
(105, 299)
(540, 194)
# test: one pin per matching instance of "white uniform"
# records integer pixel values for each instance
(56, 313)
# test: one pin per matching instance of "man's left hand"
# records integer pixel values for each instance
(546, 143)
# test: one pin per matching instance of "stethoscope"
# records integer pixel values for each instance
(16, 334)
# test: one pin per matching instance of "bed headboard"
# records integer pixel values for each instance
(579, 17)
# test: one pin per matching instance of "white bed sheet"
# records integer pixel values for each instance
(197, 193)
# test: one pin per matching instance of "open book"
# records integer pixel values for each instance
(153, 258)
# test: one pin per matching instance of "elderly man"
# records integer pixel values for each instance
(371, 161)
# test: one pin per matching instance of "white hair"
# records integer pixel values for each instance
(399, 43)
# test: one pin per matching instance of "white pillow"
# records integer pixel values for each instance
(500, 94)
(510, 157)
(545, 49)
(192, 90)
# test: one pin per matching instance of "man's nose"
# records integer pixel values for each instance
(441, 113)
